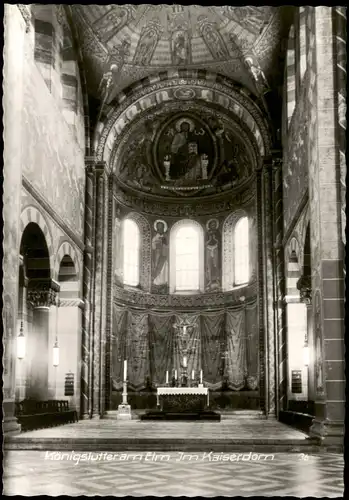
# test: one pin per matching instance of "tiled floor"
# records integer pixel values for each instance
(53, 473)
(135, 429)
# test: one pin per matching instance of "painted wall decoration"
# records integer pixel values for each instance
(160, 254)
(257, 74)
(180, 47)
(251, 18)
(118, 246)
(213, 269)
(113, 21)
(113, 65)
(181, 43)
(184, 150)
(148, 42)
(215, 91)
(212, 38)
(183, 153)
(295, 162)
(180, 35)
(53, 162)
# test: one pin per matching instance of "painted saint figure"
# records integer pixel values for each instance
(184, 151)
(118, 247)
(160, 255)
(180, 48)
(212, 256)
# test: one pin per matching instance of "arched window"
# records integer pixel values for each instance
(131, 249)
(186, 257)
(236, 259)
(241, 252)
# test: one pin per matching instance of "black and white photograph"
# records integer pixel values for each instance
(174, 237)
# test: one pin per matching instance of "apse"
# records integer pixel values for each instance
(184, 249)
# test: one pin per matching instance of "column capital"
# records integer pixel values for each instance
(304, 287)
(273, 160)
(100, 167)
(42, 292)
(90, 163)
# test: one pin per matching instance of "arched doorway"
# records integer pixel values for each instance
(297, 393)
(67, 333)
(36, 295)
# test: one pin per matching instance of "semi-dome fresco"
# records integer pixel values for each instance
(184, 154)
(131, 40)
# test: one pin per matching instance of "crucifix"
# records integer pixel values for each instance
(183, 329)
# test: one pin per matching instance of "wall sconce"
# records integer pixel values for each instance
(21, 343)
(55, 353)
(306, 355)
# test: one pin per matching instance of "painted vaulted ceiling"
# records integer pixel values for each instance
(122, 44)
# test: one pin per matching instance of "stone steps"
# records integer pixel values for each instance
(261, 445)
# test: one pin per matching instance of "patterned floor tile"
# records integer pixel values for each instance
(299, 475)
(248, 428)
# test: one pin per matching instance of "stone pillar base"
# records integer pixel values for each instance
(329, 432)
(124, 412)
(11, 426)
(95, 416)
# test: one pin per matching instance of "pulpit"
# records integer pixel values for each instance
(180, 399)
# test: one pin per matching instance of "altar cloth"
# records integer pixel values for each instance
(182, 391)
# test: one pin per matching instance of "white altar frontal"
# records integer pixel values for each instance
(182, 392)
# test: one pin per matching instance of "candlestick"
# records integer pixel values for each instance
(192, 375)
(125, 370)
(200, 376)
(166, 377)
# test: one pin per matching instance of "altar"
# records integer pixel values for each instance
(183, 398)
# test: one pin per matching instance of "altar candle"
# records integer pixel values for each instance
(192, 375)
(200, 376)
(176, 374)
(184, 330)
(125, 370)
(185, 361)
(166, 377)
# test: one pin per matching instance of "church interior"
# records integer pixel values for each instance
(174, 240)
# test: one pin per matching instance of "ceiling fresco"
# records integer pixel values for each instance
(125, 43)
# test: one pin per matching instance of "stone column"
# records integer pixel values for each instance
(340, 27)
(109, 293)
(41, 296)
(279, 303)
(98, 304)
(268, 273)
(263, 381)
(14, 44)
(22, 325)
(326, 242)
(106, 305)
(86, 354)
